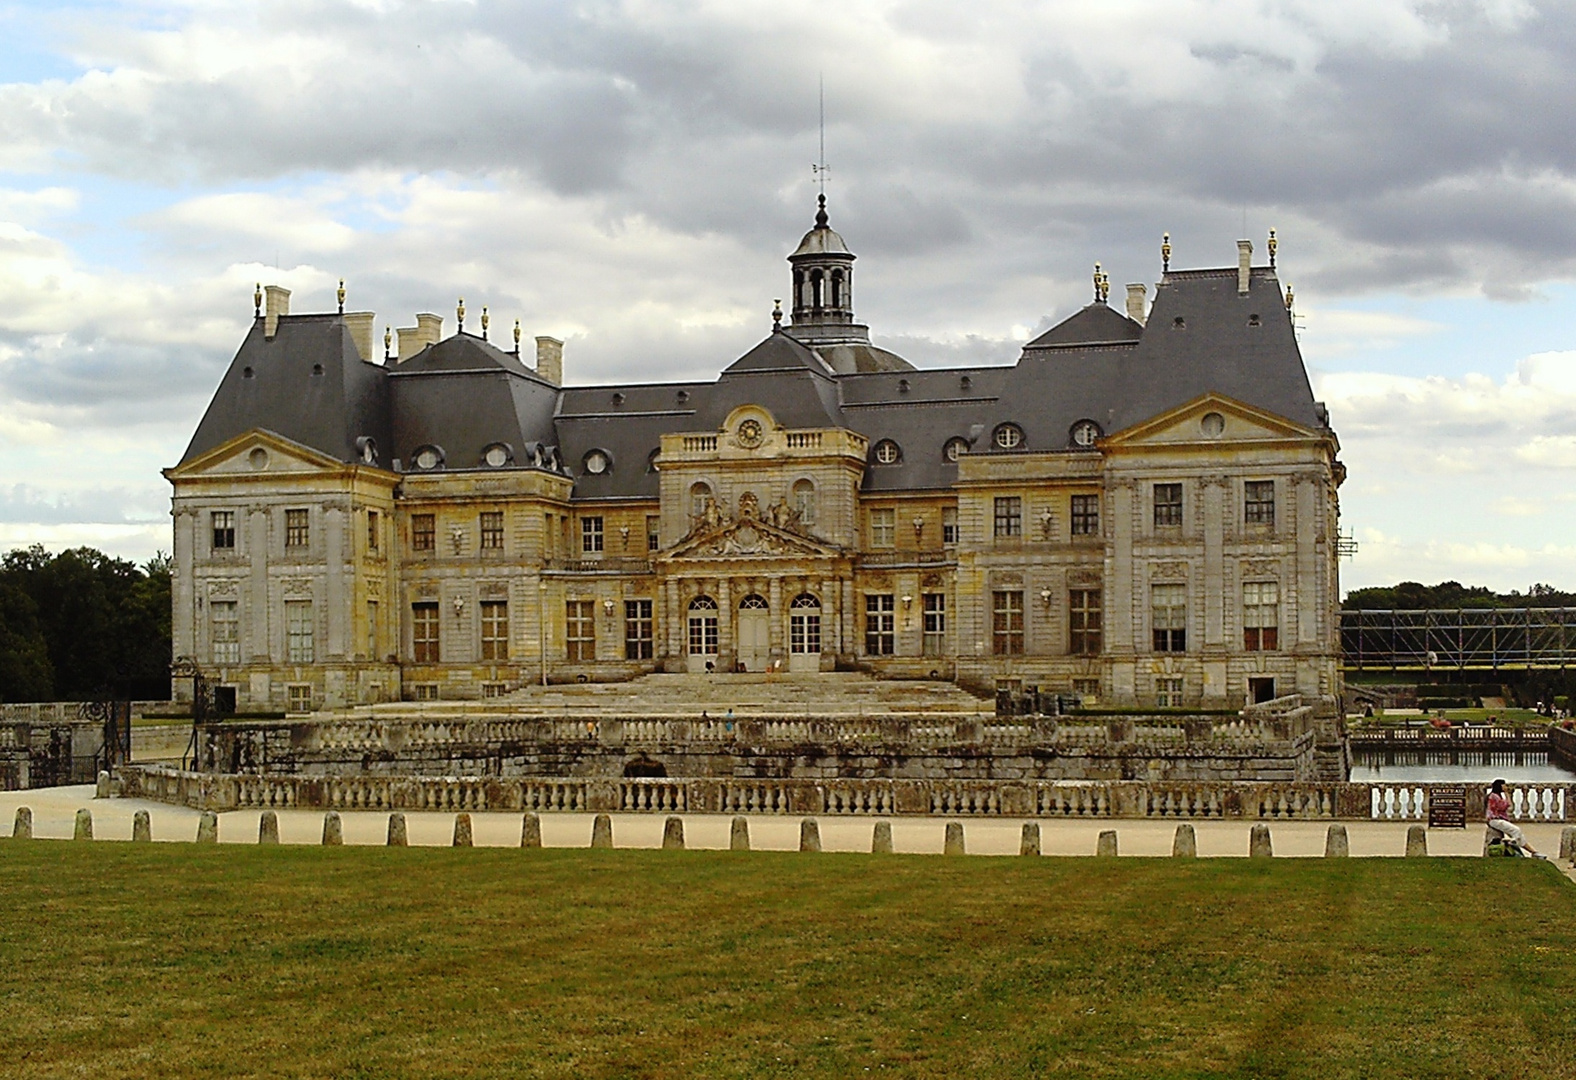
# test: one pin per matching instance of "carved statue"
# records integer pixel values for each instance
(749, 506)
(710, 516)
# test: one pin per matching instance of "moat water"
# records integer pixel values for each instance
(1446, 767)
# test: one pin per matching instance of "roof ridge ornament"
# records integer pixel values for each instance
(1102, 285)
(1272, 245)
(257, 301)
(341, 296)
(484, 322)
(517, 337)
(1165, 253)
(388, 343)
(459, 314)
(821, 218)
(777, 316)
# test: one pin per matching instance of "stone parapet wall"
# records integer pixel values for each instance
(990, 798)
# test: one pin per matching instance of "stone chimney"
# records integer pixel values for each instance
(359, 323)
(1135, 302)
(410, 342)
(276, 304)
(1244, 265)
(550, 360)
(429, 328)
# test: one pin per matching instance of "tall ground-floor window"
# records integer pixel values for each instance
(224, 633)
(1168, 693)
(1260, 615)
(298, 632)
(703, 626)
(424, 631)
(495, 630)
(804, 624)
(1168, 614)
(580, 629)
(1007, 622)
(1085, 622)
(880, 631)
(935, 624)
(638, 641)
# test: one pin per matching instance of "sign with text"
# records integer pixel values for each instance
(1447, 806)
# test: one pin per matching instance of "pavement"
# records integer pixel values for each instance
(55, 809)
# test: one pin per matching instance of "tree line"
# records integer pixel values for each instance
(82, 625)
(1415, 596)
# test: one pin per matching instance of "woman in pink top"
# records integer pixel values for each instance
(1499, 818)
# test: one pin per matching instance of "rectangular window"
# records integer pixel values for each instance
(298, 631)
(1007, 622)
(880, 636)
(1084, 622)
(580, 629)
(297, 532)
(373, 637)
(298, 698)
(1258, 502)
(1260, 616)
(935, 623)
(494, 689)
(372, 530)
(1087, 691)
(638, 639)
(949, 525)
(424, 632)
(883, 528)
(1168, 693)
(223, 530)
(591, 535)
(1085, 517)
(492, 530)
(495, 630)
(653, 533)
(1168, 616)
(1168, 506)
(425, 691)
(224, 634)
(423, 532)
(1009, 516)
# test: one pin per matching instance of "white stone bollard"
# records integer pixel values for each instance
(1416, 842)
(268, 828)
(673, 834)
(141, 827)
(1029, 840)
(1105, 847)
(1185, 844)
(101, 789)
(23, 828)
(809, 835)
(462, 830)
(602, 832)
(1259, 846)
(739, 835)
(1568, 843)
(530, 831)
(881, 838)
(953, 843)
(399, 835)
(208, 828)
(1336, 845)
(84, 827)
(333, 829)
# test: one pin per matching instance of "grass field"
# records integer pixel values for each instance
(183, 961)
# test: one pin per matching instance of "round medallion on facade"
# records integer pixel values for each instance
(751, 434)
(1212, 425)
(258, 459)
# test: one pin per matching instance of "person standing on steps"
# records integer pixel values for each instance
(1499, 819)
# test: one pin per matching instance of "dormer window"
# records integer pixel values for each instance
(1084, 433)
(887, 452)
(954, 449)
(428, 457)
(1008, 436)
(598, 462)
(497, 456)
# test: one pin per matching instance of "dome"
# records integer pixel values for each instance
(823, 239)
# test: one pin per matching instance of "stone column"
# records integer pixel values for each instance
(779, 620)
(185, 631)
(830, 606)
(725, 617)
(847, 628)
(1119, 609)
(1213, 599)
(335, 556)
(259, 641)
(1302, 603)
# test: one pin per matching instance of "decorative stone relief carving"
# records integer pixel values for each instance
(297, 586)
(1006, 578)
(457, 538)
(494, 590)
(931, 581)
(1083, 577)
(1261, 568)
(374, 586)
(223, 589)
(426, 590)
(1169, 570)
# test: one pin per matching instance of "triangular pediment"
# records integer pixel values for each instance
(1190, 423)
(749, 538)
(256, 452)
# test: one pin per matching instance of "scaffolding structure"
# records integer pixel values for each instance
(1459, 639)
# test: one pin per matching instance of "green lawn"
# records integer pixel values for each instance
(177, 960)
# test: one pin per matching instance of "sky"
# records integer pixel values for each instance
(629, 175)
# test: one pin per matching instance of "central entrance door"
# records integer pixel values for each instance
(702, 642)
(804, 633)
(754, 628)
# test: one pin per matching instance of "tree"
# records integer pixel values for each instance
(25, 670)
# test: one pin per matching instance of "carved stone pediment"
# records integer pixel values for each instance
(749, 538)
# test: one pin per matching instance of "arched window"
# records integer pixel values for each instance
(955, 449)
(817, 285)
(700, 495)
(804, 501)
(804, 625)
(837, 288)
(887, 452)
(754, 602)
(703, 627)
(1009, 436)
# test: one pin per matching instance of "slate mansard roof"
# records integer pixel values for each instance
(463, 395)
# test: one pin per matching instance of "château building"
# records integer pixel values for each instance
(1141, 510)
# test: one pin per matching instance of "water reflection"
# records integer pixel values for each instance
(1456, 766)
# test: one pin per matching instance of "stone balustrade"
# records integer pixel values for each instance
(1241, 800)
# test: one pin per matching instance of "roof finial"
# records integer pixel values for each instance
(1097, 283)
(820, 214)
(459, 314)
(1290, 300)
(257, 301)
(1165, 253)
(777, 316)
(1105, 287)
(517, 337)
(341, 295)
(388, 343)
(1272, 245)
(484, 322)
